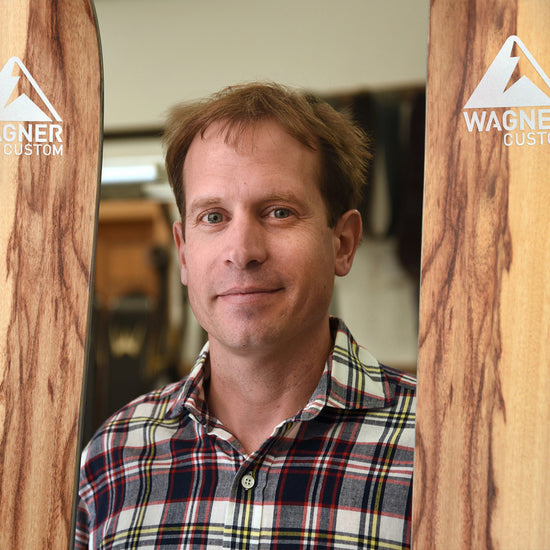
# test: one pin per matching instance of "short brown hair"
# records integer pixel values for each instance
(343, 146)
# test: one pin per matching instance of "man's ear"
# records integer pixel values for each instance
(347, 234)
(177, 229)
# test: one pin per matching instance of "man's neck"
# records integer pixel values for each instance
(252, 393)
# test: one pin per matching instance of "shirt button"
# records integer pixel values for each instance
(248, 481)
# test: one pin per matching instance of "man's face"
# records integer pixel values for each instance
(256, 253)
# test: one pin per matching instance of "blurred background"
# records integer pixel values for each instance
(366, 56)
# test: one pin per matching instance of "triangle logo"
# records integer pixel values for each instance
(22, 108)
(506, 84)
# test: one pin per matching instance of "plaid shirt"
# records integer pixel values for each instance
(163, 473)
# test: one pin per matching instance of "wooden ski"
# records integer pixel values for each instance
(482, 476)
(50, 147)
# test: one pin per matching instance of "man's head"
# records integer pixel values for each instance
(342, 146)
(267, 182)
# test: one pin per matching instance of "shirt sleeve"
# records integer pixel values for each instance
(82, 529)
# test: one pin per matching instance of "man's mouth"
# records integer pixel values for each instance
(248, 290)
(244, 294)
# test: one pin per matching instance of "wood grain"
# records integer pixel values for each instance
(483, 430)
(48, 208)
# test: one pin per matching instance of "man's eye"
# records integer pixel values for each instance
(213, 217)
(281, 213)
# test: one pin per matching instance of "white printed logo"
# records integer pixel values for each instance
(26, 128)
(500, 88)
(516, 82)
(21, 108)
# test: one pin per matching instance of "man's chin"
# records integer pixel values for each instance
(252, 336)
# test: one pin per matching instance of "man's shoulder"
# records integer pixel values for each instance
(154, 404)
(139, 415)
(401, 389)
(404, 380)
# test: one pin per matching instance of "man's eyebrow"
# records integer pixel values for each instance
(283, 197)
(205, 202)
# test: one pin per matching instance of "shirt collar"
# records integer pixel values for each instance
(191, 396)
(352, 380)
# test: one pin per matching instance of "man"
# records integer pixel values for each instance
(286, 434)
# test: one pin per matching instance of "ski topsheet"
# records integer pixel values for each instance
(50, 148)
(483, 428)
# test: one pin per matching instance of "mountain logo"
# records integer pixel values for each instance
(22, 108)
(514, 79)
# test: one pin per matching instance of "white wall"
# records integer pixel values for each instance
(159, 52)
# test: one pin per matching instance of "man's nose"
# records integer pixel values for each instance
(246, 244)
